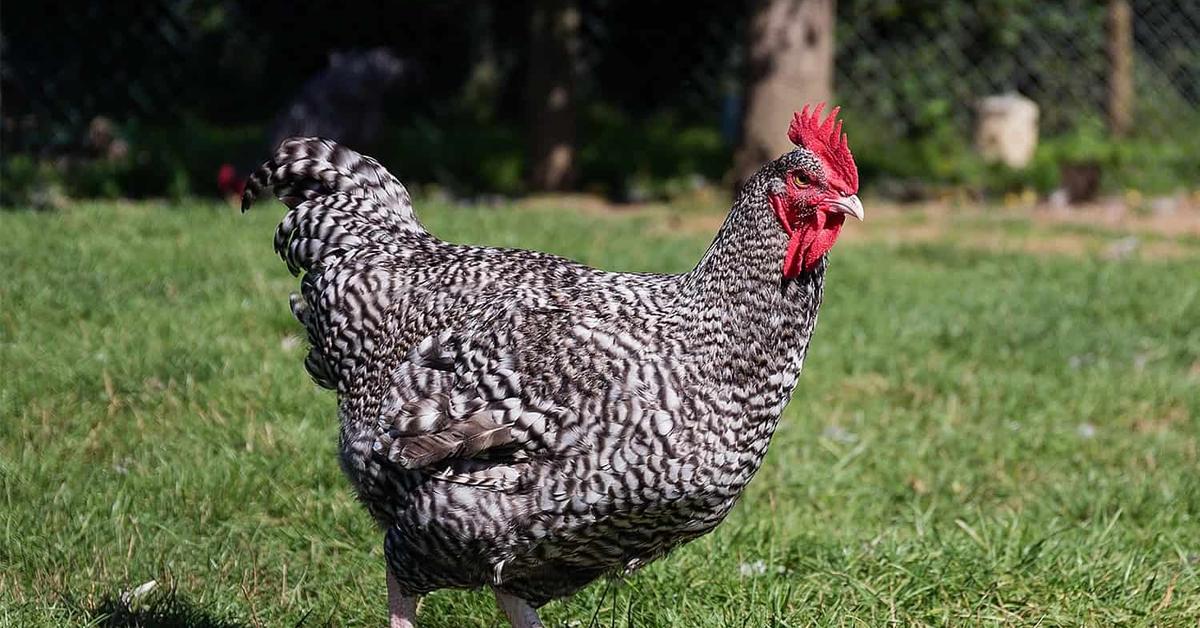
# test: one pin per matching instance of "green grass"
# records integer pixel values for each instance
(978, 438)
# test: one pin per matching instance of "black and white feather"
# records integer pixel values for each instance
(520, 420)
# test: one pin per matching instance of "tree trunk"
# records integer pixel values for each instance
(791, 63)
(1120, 67)
(553, 45)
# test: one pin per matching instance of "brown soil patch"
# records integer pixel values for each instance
(1109, 233)
(1173, 216)
(1115, 228)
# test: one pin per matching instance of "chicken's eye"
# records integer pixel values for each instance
(800, 179)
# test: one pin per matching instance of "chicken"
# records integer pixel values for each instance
(344, 101)
(521, 421)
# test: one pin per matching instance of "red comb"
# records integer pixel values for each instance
(826, 140)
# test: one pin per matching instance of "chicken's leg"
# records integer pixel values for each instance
(402, 608)
(519, 612)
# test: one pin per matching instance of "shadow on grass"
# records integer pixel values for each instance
(165, 611)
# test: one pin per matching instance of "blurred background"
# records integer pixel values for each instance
(1028, 101)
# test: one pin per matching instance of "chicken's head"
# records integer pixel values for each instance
(816, 189)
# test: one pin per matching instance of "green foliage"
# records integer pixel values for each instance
(915, 70)
(31, 182)
(471, 155)
(937, 153)
(25, 182)
(979, 438)
(463, 154)
(1137, 162)
(899, 56)
(659, 157)
(186, 157)
(171, 162)
(654, 156)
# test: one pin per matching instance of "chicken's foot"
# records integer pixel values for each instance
(402, 609)
(519, 612)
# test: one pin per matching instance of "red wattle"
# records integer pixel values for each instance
(813, 237)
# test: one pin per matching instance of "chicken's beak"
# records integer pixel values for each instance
(847, 205)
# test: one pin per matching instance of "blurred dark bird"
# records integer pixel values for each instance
(521, 421)
(343, 102)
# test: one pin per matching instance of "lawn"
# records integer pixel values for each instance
(992, 428)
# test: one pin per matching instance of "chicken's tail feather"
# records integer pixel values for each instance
(337, 200)
(309, 168)
(343, 210)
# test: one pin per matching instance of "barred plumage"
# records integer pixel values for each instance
(518, 420)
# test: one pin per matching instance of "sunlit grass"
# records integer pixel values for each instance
(978, 437)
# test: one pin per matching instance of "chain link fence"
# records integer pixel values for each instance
(906, 64)
(908, 70)
(64, 64)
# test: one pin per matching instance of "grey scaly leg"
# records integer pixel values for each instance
(402, 609)
(518, 611)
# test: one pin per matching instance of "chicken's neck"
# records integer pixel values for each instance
(742, 319)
